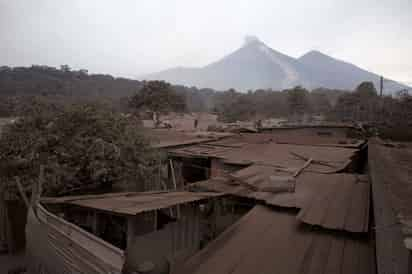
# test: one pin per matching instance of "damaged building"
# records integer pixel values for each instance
(331, 153)
(293, 200)
(110, 232)
(312, 210)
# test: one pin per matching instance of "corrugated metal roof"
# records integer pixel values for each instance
(223, 185)
(304, 136)
(335, 201)
(133, 203)
(274, 241)
(342, 202)
(286, 155)
(165, 138)
(390, 171)
(391, 165)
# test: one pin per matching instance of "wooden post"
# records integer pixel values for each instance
(159, 175)
(173, 173)
(130, 231)
(40, 183)
(175, 186)
(161, 183)
(95, 222)
(37, 189)
(22, 193)
(155, 221)
(308, 162)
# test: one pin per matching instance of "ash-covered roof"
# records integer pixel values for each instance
(310, 217)
(326, 159)
(167, 138)
(268, 240)
(335, 201)
(391, 176)
(132, 203)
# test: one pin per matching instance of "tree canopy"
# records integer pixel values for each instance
(157, 96)
(298, 101)
(360, 105)
(83, 147)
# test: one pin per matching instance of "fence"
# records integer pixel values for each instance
(56, 246)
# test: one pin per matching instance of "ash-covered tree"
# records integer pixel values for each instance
(366, 89)
(298, 101)
(320, 103)
(232, 106)
(361, 105)
(396, 122)
(157, 97)
(80, 148)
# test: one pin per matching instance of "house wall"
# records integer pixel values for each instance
(217, 168)
(227, 212)
(13, 214)
(4, 227)
(111, 228)
(189, 170)
(17, 218)
(163, 247)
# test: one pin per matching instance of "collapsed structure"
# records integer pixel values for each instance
(313, 207)
(292, 200)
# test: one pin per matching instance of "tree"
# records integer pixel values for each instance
(345, 108)
(65, 68)
(157, 97)
(320, 103)
(361, 105)
(83, 147)
(366, 89)
(298, 101)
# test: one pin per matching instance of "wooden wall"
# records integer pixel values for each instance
(176, 241)
(56, 246)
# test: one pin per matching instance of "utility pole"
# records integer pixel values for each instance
(381, 86)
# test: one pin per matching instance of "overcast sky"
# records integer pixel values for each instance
(133, 37)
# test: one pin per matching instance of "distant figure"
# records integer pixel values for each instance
(196, 123)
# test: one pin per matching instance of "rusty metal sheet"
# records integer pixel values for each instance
(303, 136)
(168, 138)
(342, 204)
(336, 201)
(134, 203)
(56, 246)
(268, 240)
(273, 154)
(390, 173)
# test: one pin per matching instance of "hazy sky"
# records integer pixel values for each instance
(133, 37)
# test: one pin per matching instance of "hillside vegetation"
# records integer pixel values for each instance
(63, 86)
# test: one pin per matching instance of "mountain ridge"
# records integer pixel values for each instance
(257, 66)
